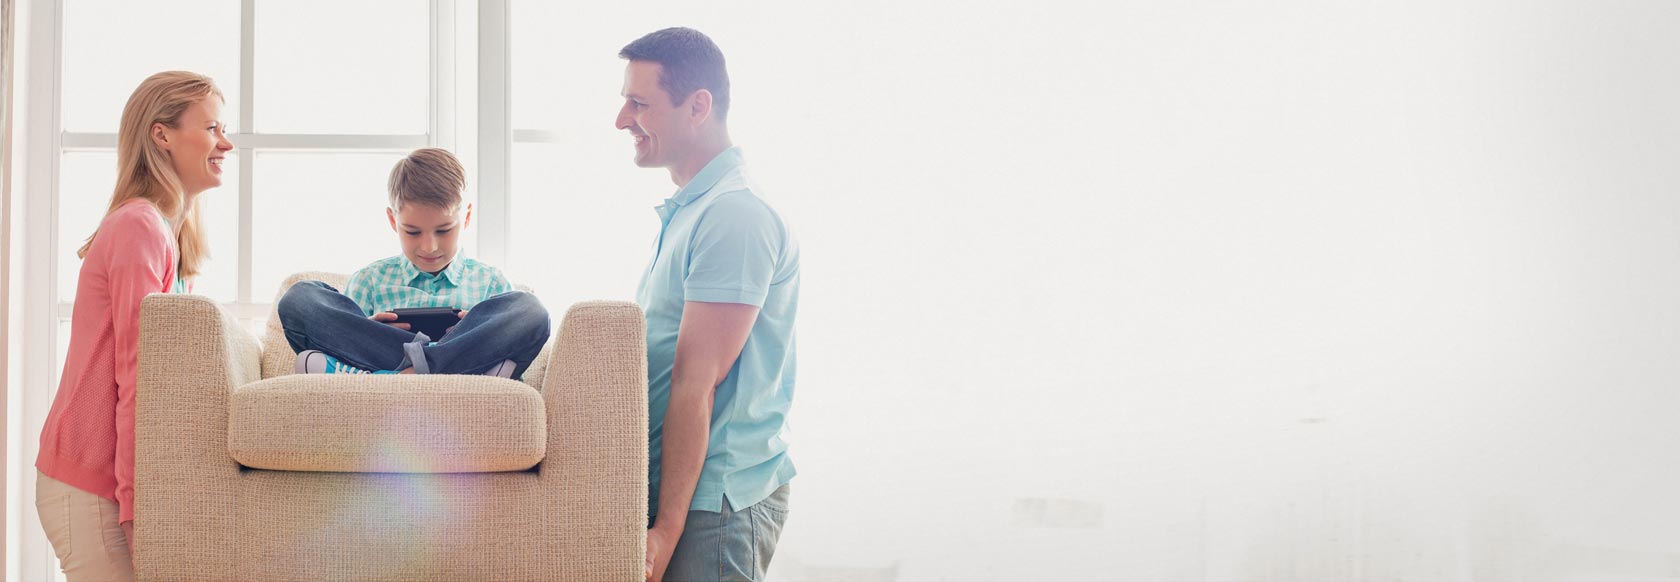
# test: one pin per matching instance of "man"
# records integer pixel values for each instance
(720, 298)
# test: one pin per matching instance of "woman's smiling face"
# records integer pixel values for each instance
(197, 145)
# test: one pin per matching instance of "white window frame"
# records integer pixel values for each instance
(465, 40)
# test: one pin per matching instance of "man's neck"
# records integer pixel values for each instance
(683, 173)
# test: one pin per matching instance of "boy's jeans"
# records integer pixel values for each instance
(510, 326)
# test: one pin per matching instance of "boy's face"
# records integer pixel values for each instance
(429, 234)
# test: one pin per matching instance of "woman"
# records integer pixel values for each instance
(170, 149)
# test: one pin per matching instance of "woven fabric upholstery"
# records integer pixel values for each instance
(192, 353)
(372, 526)
(538, 370)
(579, 515)
(403, 424)
(278, 358)
(600, 343)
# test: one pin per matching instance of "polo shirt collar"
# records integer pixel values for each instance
(725, 162)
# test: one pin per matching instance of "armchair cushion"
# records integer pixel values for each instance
(387, 424)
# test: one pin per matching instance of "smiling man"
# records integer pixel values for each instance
(720, 295)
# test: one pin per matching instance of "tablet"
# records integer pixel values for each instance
(432, 321)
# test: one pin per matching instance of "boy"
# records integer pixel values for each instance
(355, 332)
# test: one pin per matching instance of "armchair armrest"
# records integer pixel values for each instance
(595, 472)
(192, 353)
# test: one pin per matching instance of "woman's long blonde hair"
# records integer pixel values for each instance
(144, 169)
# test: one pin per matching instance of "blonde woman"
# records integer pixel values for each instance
(170, 149)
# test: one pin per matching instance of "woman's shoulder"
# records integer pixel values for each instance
(133, 228)
(137, 215)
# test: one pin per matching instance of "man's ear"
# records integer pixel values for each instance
(700, 106)
(391, 216)
(160, 137)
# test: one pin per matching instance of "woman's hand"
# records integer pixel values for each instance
(128, 533)
(389, 318)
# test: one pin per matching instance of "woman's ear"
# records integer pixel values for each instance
(160, 136)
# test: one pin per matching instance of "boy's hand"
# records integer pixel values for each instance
(462, 314)
(388, 318)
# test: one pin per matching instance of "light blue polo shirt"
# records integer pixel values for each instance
(719, 242)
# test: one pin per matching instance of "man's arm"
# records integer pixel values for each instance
(709, 339)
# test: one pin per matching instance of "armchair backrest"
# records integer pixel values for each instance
(278, 357)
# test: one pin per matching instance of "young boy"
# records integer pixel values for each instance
(355, 332)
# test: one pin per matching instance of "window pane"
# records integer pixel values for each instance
(566, 71)
(318, 212)
(109, 47)
(62, 352)
(566, 74)
(219, 278)
(557, 215)
(342, 67)
(86, 179)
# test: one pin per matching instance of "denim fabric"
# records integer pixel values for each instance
(510, 326)
(730, 546)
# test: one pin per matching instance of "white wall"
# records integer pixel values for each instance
(1287, 291)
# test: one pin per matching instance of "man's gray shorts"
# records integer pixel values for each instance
(732, 546)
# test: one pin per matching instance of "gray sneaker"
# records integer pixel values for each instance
(318, 362)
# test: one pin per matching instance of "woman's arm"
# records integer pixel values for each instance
(140, 260)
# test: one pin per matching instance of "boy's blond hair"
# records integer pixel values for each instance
(429, 176)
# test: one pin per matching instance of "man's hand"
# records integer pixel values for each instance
(387, 318)
(659, 549)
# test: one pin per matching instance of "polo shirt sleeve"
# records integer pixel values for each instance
(732, 255)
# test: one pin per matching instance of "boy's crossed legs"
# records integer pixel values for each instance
(510, 326)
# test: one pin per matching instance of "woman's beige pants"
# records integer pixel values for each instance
(84, 532)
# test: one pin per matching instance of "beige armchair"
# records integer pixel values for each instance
(247, 472)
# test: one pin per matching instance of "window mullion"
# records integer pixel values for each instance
(495, 143)
(38, 343)
(442, 72)
(247, 157)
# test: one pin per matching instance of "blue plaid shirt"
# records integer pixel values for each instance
(395, 282)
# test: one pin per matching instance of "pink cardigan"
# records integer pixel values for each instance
(88, 441)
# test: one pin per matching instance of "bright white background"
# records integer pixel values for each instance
(1303, 291)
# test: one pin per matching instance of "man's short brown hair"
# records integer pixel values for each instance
(429, 176)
